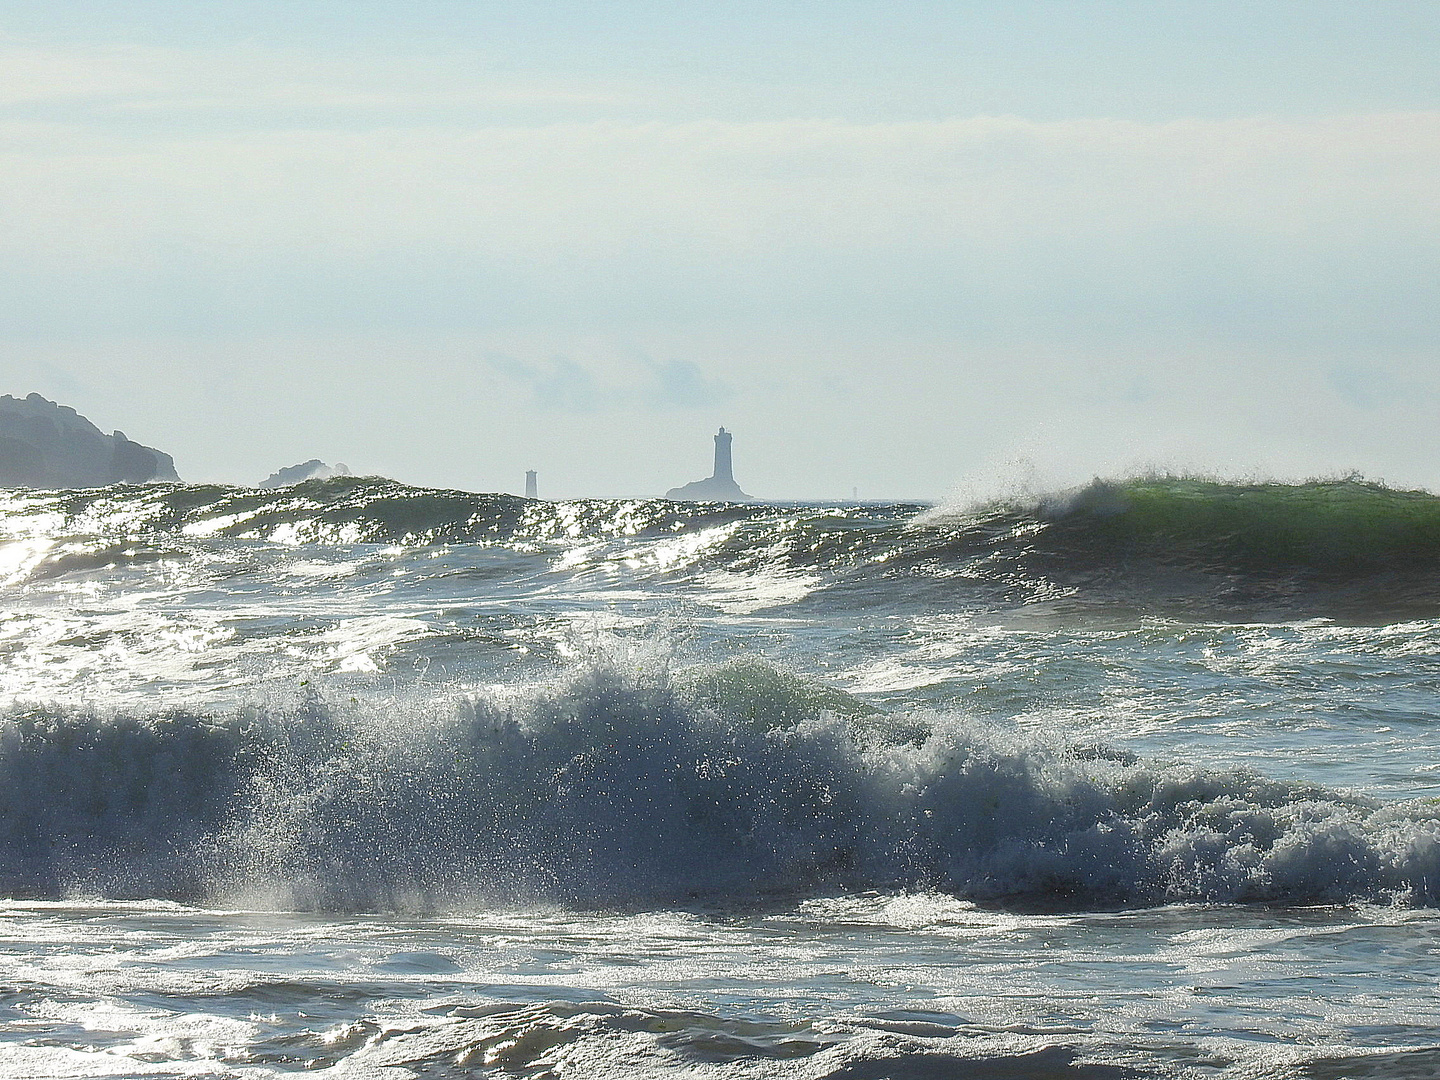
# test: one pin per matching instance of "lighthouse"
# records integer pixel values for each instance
(720, 486)
(722, 457)
(532, 489)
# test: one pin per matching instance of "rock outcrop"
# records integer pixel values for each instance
(711, 489)
(45, 445)
(314, 469)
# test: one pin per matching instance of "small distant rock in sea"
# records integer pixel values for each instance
(720, 486)
(47, 445)
(314, 469)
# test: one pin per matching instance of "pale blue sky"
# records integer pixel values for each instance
(900, 250)
(852, 59)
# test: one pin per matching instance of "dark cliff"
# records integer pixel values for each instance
(46, 445)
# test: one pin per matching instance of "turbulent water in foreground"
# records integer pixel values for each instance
(365, 780)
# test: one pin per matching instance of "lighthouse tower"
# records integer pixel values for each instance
(532, 490)
(722, 457)
(720, 486)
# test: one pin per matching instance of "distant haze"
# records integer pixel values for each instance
(910, 254)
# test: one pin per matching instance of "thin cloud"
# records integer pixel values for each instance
(563, 384)
(244, 78)
(680, 384)
(557, 383)
(1374, 386)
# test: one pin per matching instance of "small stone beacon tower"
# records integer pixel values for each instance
(532, 489)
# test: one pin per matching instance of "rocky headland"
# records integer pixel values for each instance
(47, 445)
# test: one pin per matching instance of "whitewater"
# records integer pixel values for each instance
(357, 779)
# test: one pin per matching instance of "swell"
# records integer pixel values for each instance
(1339, 526)
(350, 510)
(619, 787)
(1347, 548)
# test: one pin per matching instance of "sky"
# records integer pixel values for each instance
(914, 251)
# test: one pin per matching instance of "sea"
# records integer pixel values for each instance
(356, 779)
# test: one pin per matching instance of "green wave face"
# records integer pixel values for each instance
(1339, 526)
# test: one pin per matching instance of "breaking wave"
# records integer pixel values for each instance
(623, 786)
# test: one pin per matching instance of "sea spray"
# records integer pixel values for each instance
(612, 787)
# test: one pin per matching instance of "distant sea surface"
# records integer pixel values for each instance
(356, 779)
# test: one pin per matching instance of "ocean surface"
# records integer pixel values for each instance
(356, 779)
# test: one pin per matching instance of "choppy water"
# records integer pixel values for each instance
(1138, 781)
